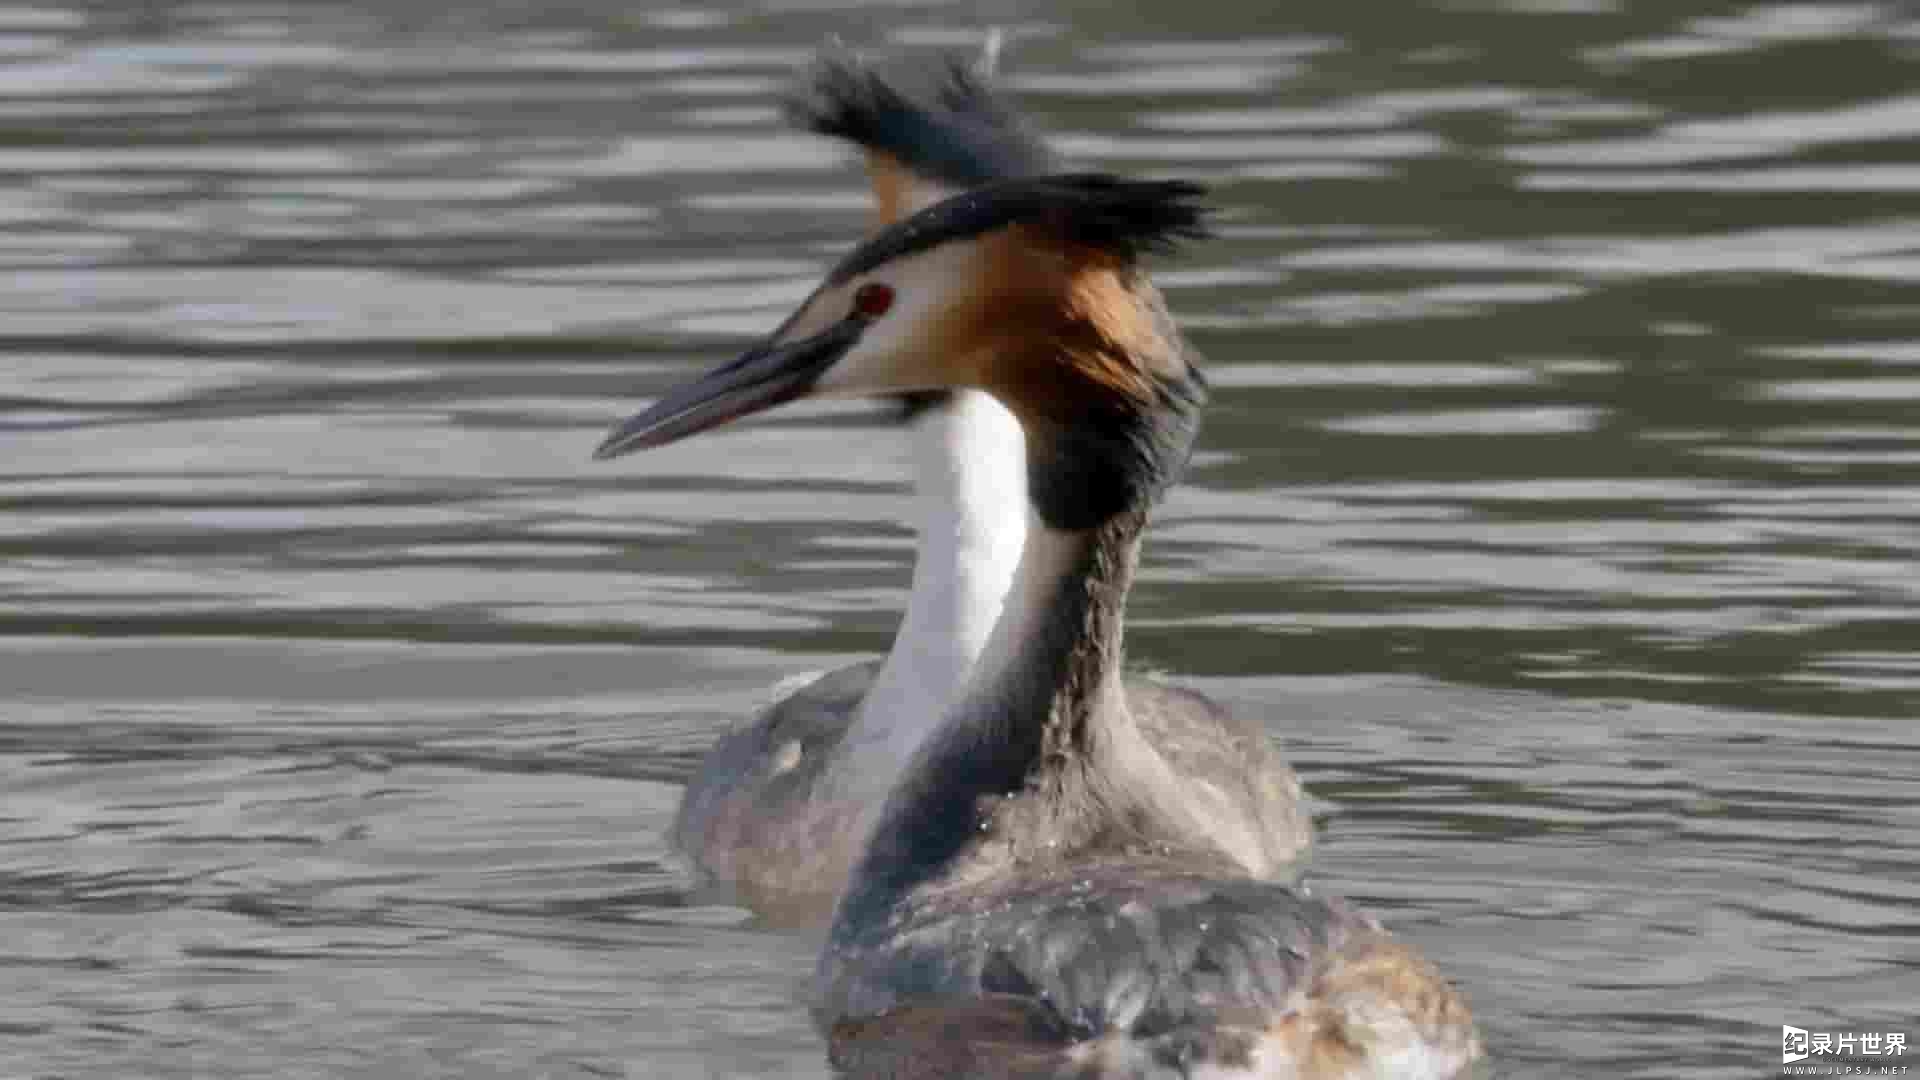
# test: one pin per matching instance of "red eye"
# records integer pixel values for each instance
(873, 300)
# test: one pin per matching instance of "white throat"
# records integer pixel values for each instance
(970, 506)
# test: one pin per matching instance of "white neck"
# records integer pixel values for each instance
(1047, 559)
(970, 495)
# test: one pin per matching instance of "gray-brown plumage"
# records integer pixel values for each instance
(1123, 968)
(765, 826)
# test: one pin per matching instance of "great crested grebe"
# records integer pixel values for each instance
(779, 810)
(1042, 894)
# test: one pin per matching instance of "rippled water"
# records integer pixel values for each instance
(1560, 506)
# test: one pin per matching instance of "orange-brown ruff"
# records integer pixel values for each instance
(893, 186)
(1064, 328)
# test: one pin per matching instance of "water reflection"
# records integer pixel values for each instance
(1557, 507)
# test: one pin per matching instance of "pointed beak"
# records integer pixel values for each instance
(767, 375)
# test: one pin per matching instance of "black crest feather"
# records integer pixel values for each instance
(946, 124)
(1127, 218)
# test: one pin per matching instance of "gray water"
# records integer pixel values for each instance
(1559, 508)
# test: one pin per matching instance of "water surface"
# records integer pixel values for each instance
(1559, 507)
